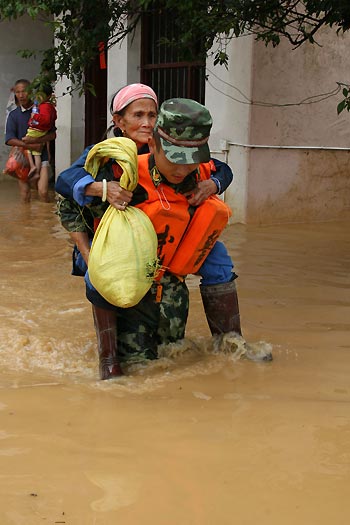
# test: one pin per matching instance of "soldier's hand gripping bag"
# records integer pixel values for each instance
(123, 256)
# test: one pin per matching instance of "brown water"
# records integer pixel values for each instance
(198, 438)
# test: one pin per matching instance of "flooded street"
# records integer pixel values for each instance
(197, 438)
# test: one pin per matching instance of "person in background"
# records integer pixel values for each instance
(134, 333)
(15, 135)
(42, 120)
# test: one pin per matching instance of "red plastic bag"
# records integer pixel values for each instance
(17, 165)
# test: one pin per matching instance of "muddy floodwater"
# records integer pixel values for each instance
(197, 438)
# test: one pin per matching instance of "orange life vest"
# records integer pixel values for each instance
(186, 234)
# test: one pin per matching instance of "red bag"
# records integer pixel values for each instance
(17, 164)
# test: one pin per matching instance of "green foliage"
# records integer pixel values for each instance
(202, 26)
(345, 103)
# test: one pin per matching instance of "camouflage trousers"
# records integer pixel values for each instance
(160, 317)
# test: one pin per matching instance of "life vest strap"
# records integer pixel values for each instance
(159, 293)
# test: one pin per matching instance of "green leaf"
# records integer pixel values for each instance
(341, 106)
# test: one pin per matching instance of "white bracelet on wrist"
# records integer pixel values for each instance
(104, 190)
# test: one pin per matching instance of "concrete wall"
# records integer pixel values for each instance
(310, 182)
(302, 173)
(227, 95)
(23, 33)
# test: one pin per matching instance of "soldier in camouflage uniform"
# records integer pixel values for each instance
(179, 145)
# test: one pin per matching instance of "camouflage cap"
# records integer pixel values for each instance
(184, 128)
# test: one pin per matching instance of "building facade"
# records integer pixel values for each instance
(274, 112)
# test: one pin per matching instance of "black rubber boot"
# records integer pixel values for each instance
(106, 331)
(221, 308)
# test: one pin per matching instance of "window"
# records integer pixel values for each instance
(169, 72)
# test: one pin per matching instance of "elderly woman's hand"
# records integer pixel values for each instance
(117, 196)
(204, 189)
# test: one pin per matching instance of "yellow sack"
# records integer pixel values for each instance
(121, 149)
(123, 256)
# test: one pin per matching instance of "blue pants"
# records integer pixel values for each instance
(217, 267)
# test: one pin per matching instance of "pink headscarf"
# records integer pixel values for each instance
(132, 92)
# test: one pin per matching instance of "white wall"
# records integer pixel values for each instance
(123, 65)
(70, 126)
